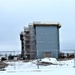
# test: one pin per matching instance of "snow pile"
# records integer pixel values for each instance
(50, 60)
(34, 61)
(46, 61)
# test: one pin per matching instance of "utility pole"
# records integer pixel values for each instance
(37, 63)
(74, 58)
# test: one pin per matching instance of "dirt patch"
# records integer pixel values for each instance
(63, 59)
(3, 65)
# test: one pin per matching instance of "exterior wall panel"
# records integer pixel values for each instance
(47, 40)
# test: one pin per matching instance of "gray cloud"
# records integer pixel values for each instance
(15, 14)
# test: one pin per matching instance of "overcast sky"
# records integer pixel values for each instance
(16, 14)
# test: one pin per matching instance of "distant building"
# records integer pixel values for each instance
(40, 39)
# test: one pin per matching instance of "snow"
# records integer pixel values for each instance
(47, 22)
(30, 68)
(49, 60)
(46, 60)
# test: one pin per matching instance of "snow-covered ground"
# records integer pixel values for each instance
(31, 68)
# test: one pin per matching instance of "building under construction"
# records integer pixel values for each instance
(40, 39)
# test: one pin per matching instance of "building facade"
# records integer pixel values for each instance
(42, 40)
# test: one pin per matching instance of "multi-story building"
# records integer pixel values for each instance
(40, 40)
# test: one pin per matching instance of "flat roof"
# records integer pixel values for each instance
(50, 23)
